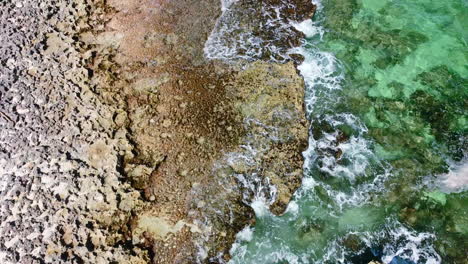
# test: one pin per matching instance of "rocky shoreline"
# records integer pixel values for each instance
(121, 143)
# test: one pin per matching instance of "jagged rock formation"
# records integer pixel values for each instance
(60, 186)
(119, 141)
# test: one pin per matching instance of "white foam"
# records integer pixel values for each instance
(456, 180)
(410, 245)
(293, 208)
(355, 150)
(260, 207)
(225, 4)
(308, 183)
(396, 240)
(246, 234)
(323, 74)
(309, 28)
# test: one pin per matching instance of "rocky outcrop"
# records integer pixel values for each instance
(121, 143)
(266, 163)
(270, 99)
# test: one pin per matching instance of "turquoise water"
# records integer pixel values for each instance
(387, 97)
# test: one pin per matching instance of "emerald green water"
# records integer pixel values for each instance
(387, 98)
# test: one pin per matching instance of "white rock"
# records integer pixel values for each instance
(10, 243)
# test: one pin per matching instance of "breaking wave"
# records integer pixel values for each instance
(342, 173)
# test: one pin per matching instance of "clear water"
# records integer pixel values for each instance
(387, 98)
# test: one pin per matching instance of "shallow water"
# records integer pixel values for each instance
(385, 172)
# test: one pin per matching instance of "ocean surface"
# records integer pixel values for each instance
(386, 170)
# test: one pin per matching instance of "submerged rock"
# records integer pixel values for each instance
(398, 260)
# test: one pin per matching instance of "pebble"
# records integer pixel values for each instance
(167, 123)
(120, 118)
(201, 140)
(183, 173)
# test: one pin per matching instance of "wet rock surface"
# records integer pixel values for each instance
(118, 135)
(258, 30)
(270, 99)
